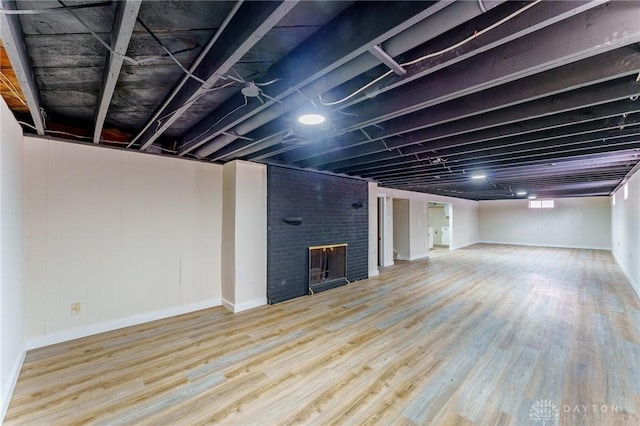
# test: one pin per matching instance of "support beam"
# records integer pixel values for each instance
(248, 25)
(544, 109)
(123, 25)
(587, 34)
(609, 66)
(545, 140)
(600, 141)
(532, 20)
(598, 151)
(324, 61)
(387, 60)
(14, 43)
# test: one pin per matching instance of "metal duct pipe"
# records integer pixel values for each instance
(437, 24)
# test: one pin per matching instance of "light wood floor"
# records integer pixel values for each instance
(474, 336)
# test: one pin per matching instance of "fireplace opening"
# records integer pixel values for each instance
(327, 265)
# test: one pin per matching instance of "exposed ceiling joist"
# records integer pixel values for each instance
(584, 35)
(125, 21)
(250, 22)
(531, 20)
(528, 18)
(545, 108)
(628, 145)
(327, 54)
(538, 95)
(609, 66)
(574, 146)
(13, 40)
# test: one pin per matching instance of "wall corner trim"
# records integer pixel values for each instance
(76, 333)
(244, 306)
(15, 373)
(634, 286)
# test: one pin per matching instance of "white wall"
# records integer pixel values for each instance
(373, 229)
(245, 242)
(625, 231)
(130, 236)
(401, 243)
(419, 221)
(387, 224)
(464, 219)
(11, 255)
(574, 222)
(464, 215)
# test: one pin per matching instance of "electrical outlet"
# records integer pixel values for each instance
(75, 308)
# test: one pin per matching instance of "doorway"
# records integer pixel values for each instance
(440, 230)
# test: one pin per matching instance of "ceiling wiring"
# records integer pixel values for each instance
(12, 89)
(60, 132)
(172, 56)
(192, 101)
(434, 54)
(52, 9)
(97, 37)
(246, 101)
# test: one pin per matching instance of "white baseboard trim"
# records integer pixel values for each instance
(244, 306)
(452, 247)
(374, 273)
(13, 379)
(227, 304)
(546, 245)
(388, 264)
(76, 333)
(634, 285)
(423, 256)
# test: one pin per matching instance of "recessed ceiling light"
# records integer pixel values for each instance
(478, 176)
(531, 197)
(311, 119)
(521, 193)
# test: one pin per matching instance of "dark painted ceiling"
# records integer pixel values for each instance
(540, 97)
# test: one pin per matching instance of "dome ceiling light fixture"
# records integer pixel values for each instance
(311, 119)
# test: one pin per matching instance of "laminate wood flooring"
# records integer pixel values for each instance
(484, 335)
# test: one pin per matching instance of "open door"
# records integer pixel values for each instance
(440, 225)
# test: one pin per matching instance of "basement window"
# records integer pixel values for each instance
(541, 204)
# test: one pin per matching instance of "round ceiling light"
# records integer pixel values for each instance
(311, 119)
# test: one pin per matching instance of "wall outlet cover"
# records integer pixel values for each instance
(75, 308)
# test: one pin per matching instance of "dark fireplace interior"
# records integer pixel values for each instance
(327, 264)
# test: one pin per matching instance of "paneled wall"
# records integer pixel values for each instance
(11, 255)
(128, 236)
(625, 230)
(574, 222)
(326, 205)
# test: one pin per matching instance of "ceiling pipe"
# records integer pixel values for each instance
(446, 19)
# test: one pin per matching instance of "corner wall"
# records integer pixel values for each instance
(573, 222)
(464, 222)
(625, 231)
(131, 237)
(244, 257)
(12, 348)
